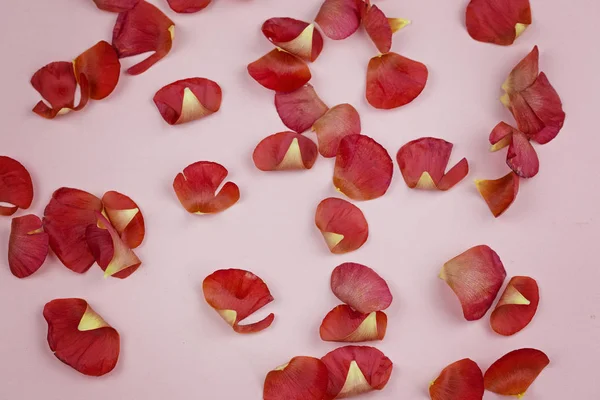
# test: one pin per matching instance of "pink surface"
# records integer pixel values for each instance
(176, 347)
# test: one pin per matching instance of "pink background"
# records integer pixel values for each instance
(173, 345)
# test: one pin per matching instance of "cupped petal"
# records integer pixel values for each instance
(297, 37)
(517, 306)
(339, 18)
(116, 6)
(27, 245)
(300, 109)
(125, 216)
(342, 224)
(196, 188)
(337, 123)
(236, 294)
(522, 157)
(499, 22)
(476, 277)
(514, 372)
(280, 71)
(378, 28)
(188, 99)
(343, 324)
(500, 193)
(81, 338)
(188, 6)
(360, 287)
(303, 378)
(501, 136)
(16, 188)
(101, 66)
(461, 380)
(285, 151)
(524, 73)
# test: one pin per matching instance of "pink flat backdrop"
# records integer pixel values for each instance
(176, 347)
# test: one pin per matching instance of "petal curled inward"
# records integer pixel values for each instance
(303, 378)
(379, 29)
(16, 188)
(285, 151)
(517, 306)
(360, 287)
(280, 71)
(297, 37)
(188, 6)
(475, 276)
(342, 224)
(188, 99)
(80, 338)
(236, 294)
(300, 109)
(27, 246)
(499, 22)
(337, 123)
(116, 6)
(101, 66)
(462, 380)
(513, 373)
(363, 168)
(143, 29)
(343, 324)
(196, 188)
(339, 18)
(500, 193)
(125, 216)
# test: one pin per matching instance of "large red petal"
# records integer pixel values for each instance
(300, 109)
(343, 324)
(280, 71)
(514, 372)
(462, 380)
(360, 287)
(101, 67)
(27, 246)
(16, 188)
(499, 22)
(517, 306)
(116, 5)
(499, 194)
(342, 224)
(297, 37)
(379, 29)
(303, 378)
(285, 151)
(337, 123)
(126, 217)
(188, 99)
(188, 6)
(339, 18)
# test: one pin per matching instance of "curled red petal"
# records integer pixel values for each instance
(379, 29)
(522, 157)
(303, 378)
(339, 18)
(476, 277)
(340, 121)
(524, 73)
(27, 246)
(363, 168)
(360, 287)
(300, 109)
(343, 324)
(280, 71)
(517, 306)
(462, 380)
(499, 22)
(236, 294)
(143, 29)
(101, 66)
(116, 5)
(285, 151)
(81, 338)
(16, 188)
(514, 372)
(188, 6)
(297, 37)
(501, 136)
(126, 217)
(196, 188)
(342, 224)
(188, 99)
(500, 193)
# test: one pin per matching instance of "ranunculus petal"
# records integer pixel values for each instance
(188, 99)
(499, 22)
(379, 29)
(342, 224)
(280, 71)
(340, 121)
(303, 378)
(81, 338)
(126, 217)
(514, 372)
(101, 66)
(236, 294)
(343, 324)
(297, 37)
(116, 5)
(517, 306)
(188, 6)
(339, 18)
(500, 193)
(462, 380)
(27, 246)
(285, 151)
(360, 287)
(16, 188)
(300, 109)
(476, 277)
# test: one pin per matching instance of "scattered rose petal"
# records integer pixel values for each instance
(285, 151)
(342, 224)
(522, 157)
(303, 378)
(297, 37)
(499, 194)
(501, 136)
(340, 121)
(16, 188)
(188, 6)
(339, 18)
(343, 324)
(517, 306)
(360, 287)
(499, 22)
(462, 380)
(125, 216)
(280, 71)
(236, 294)
(188, 99)
(300, 109)
(27, 246)
(475, 276)
(80, 338)
(379, 29)
(101, 66)
(513, 373)
(116, 6)
(398, 23)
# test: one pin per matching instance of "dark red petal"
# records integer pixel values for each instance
(116, 5)
(342, 224)
(343, 324)
(16, 188)
(101, 67)
(462, 380)
(285, 151)
(513, 373)
(27, 246)
(297, 37)
(339, 18)
(340, 121)
(280, 71)
(188, 99)
(360, 287)
(517, 306)
(499, 22)
(300, 109)
(521, 156)
(499, 194)
(188, 6)
(126, 217)
(303, 378)
(379, 29)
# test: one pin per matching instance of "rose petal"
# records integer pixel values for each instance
(303, 378)
(297, 37)
(514, 372)
(280, 71)
(188, 6)
(116, 5)
(476, 277)
(285, 151)
(398, 23)
(188, 99)
(501, 136)
(142, 29)
(363, 168)
(81, 338)
(462, 380)
(342, 224)
(196, 188)
(354, 370)
(340, 121)
(499, 22)
(101, 67)
(499, 194)
(27, 246)
(343, 324)
(300, 109)
(524, 74)
(521, 156)
(16, 188)
(360, 287)
(236, 294)
(379, 29)
(125, 216)
(517, 306)
(339, 18)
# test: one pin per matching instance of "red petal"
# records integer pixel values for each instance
(142, 29)
(343, 324)
(116, 5)
(303, 378)
(100, 65)
(360, 287)
(126, 217)
(499, 22)
(66, 219)
(300, 109)
(81, 338)
(340, 121)
(297, 37)
(16, 188)
(280, 71)
(476, 277)
(188, 6)
(512, 374)
(354, 370)
(521, 156)
(285, 151)
(236, 294)
(524, 74)
(462, 380)
(188, 99)
(423, 164)
(339, 18)
(342, 224)
(393, 80)
(499, 194)
(517, 306)
(379, 29)
(27, 246)
(398, 23)
(196, 188)
(501, 136)
(363, 168)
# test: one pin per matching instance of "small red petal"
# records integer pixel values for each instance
(525, 73)
(300, 109)
(236, 294)
(285, 151)
(517, 306)
(363, 168)
(27, 246)
(379, 29)
(462, 380)
(339, 18)
(340, 121)
(360, 287)
(188, 99)
(297, 37)
(303, 378)
(126, 217)
(280, 71)
(499, 22)
(521, 156)
(196, 188)
(343, 324)
(354, 370)
(499, 194)
(476, 277)
(501, 136)
(188, 6)
(342, 224)
(101, 67)
(16, 188)
(142, 29)
(514, 372)
(393, 80)
(116, 5)
(81, 338)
